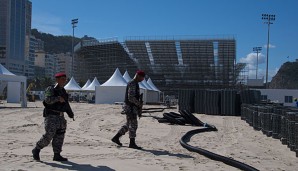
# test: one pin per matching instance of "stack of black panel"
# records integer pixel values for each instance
(256, 123)
(228, 102)
(276, 122)
(283, 126)
(266, 121)
(212, 102)
(199, 101)
(291, 121)
(186, 100)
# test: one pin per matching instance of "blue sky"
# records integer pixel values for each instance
(240, 18)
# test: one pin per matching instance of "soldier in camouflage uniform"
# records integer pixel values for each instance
(133, 109)
(56, 103)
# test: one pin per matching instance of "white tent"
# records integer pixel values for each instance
(86, 84)
(149, 81)
(72, 85)
(127, 77)
(92, 86)
(14, 81)
(152, 95)
(113, 90)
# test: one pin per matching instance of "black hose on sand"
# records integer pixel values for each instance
(186, 138)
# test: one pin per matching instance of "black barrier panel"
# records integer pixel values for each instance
(186, 100)
(296, 134)
(256, 123)
(228, 102)
(276, 122)
(199, 101)
(291, 121)
(250, 96)
(212, 102)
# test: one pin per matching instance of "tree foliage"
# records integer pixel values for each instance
(55, 44)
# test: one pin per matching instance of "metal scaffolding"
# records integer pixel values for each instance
(100, 59)
(172, 64)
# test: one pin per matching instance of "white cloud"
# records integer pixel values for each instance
(251, 63)
(270, 46)
(262, 73)
(47, 23)
(252, 59)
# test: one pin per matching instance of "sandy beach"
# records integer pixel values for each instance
(88, 146)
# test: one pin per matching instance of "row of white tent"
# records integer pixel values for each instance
(16, 86)
(113, 90)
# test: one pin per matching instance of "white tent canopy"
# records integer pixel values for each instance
(4, 71)
(115, 80)
(6, 75)
(148, 87)
(127, 77)
(149, 81)
(113, 90)
(92, 86)
(86, 84)
(72, 85)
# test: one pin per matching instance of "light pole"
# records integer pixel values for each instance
(268, 18)
(257, 50)
(74, 23)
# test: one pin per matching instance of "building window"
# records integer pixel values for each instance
(264, 97)
(288, 99)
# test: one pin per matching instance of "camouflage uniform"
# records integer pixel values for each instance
(55, 123)
(132, 109)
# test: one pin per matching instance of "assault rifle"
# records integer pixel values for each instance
(141, 101)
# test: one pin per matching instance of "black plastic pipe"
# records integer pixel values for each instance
(186, 138)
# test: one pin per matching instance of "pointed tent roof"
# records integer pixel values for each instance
(149, 81)
(93, 84)
(72, 85)
(115, 80)
(141, 85)
(148, 87)
(5, 71)
(86, 84)
(127, 77)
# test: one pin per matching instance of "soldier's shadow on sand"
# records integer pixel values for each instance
(163, 152)
(74, 166)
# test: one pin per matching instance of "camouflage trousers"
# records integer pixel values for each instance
(131, 125)
(55, 127)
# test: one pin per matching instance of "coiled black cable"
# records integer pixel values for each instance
(186, 137)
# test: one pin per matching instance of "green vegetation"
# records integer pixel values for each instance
(57, 44)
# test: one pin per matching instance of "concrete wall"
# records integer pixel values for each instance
(278, 95)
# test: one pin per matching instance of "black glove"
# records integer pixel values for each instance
(71, 115)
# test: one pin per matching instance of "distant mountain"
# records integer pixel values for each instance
(286, 77)
(57, 44)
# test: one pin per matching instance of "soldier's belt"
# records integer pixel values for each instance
(55, 112)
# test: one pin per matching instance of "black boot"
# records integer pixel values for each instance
(132, 144)
(35, 153)
(116, 140)
(58, 157)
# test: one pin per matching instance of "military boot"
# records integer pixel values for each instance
(58, 157)
(116, 139)
(132, 144)
(35, 153)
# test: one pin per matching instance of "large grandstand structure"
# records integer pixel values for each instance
(172, 63)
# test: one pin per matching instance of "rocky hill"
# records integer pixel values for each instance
(286, 77)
